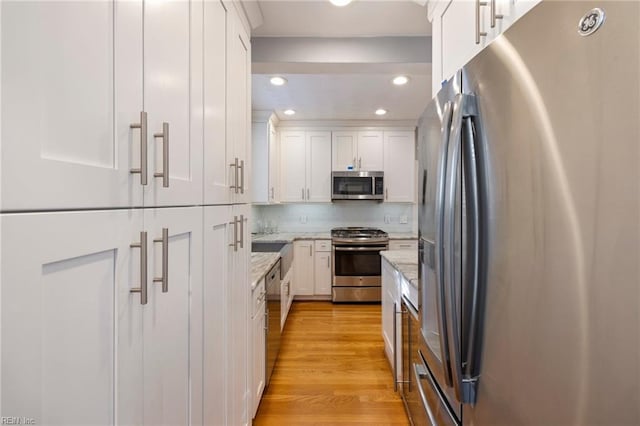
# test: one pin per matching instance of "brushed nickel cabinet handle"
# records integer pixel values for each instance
(164, 278)
(272, 193)
(235, 233)
(142, 125)
(241, 167)
(328, 262)
(310, 248)
(354, 161)
(386, 193)
(164, 174)
(235, 182)
(241, 231)
(494, 15)
(142, 245)
(478, 32)
(360, 162)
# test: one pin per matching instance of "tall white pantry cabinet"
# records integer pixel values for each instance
(124, 228)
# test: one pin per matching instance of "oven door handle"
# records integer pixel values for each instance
(377, 248)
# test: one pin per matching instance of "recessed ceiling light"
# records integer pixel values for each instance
(278, 81)
(289, 112)
(400, 80)
(381, 111)
(340, 3)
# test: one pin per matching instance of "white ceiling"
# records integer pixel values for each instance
(320, 88)
(319, 18)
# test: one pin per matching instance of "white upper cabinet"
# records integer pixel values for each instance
(370, 151)
(344, 147)
(318, 161)
(216, 165)
(292, 166)
(264, 153)
(463, 28)
(305, 166)
(71, 88)
(353, 150)
(399, 167)
(238, 109)
(77, 131)
(173, 101)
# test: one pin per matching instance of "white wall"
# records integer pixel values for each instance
(323, 217)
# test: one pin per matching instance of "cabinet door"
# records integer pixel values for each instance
(216, 165)
(69, 319)
(318, 167)
(260, 150)
(238, 108)
(293, 167)
(218, 234)
(370, 151)
(458, 29)
(173, 100)
(287, 294)
(399, 167)
(71, 87)
(274, 165)
(239, 318)
(173, 317)
(322, 282)
(388, 308)
(303, 280)
(258, 357)
(344, 151)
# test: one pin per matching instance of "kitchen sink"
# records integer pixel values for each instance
(285, 250)
(266, 246)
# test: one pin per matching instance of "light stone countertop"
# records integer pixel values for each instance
(403, 236)
(406, 262)
(261, 263)
(288, 237)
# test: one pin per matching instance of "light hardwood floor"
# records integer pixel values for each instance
(331, 370)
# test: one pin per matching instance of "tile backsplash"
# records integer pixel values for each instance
(322, 217)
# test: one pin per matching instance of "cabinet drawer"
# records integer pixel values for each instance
(403, 245)
(258, 296)
(323, 245)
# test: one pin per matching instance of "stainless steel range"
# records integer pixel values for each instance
(356, 263)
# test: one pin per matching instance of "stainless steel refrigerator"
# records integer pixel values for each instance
(529, 210)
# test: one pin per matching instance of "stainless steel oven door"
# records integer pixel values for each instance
(357, 265)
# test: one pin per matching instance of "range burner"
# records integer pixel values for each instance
(358, 232)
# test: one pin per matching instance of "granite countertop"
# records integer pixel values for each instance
(288, 237)
(261, 263)
(405, 261)
(403, 236)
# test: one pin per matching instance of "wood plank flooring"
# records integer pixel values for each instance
(331, 370)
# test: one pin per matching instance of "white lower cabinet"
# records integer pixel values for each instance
(322, 269)
(390, 306)
(172, 330)
(258, 326)
(303, 268)
(78, 346)
(286, 293)
(226, 301)
(403, 245)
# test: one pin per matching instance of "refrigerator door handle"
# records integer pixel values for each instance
(439, 252)
(463, 384)
(450, 294)
(474, 267)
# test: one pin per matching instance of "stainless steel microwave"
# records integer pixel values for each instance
(352, 185)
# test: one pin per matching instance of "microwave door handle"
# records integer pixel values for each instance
(439, 249)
